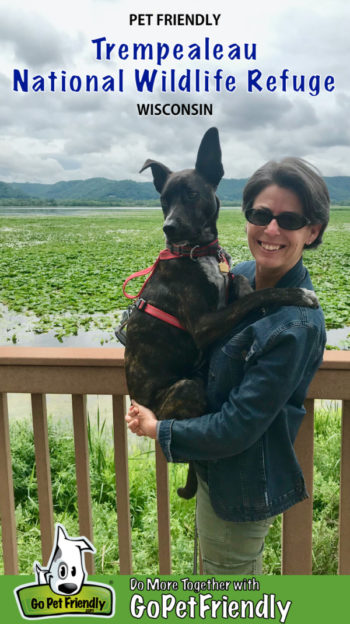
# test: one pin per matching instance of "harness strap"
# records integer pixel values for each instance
(169, 254)
(138, 274)
(142, 305)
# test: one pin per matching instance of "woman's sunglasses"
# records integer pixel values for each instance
(285, 220)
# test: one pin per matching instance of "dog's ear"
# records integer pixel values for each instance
(208, 162)
(160, 173)
(217, 206)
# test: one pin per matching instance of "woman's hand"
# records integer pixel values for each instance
(141, 420)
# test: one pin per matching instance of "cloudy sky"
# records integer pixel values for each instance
(47, 137)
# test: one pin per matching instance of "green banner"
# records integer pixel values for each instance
(38, 601)
(291, 599)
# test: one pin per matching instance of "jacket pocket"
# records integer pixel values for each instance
(225, 371)
(237, 348)
(235, 352)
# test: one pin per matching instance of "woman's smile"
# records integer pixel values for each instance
(269, 247)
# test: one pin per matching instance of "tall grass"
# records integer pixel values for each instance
(143, 499)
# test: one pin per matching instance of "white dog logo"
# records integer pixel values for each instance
(65, 572)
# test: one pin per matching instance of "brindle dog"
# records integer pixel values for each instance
(160, 359)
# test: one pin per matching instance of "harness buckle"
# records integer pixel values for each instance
(120, 330)
(141, 304)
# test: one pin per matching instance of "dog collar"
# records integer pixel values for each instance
(194, 252)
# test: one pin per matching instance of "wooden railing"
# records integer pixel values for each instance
(80, 372)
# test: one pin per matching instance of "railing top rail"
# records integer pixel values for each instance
(62, 356)
(336, 359)
(111, 356)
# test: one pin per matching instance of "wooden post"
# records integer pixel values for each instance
(344, 510)
(43, 474)
(163, 509)
(122, 484)
(7, 503)
(83, 472)
(297, 521)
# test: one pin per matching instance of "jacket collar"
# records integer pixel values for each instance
(291, 279)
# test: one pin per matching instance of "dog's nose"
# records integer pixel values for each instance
(67, 588)
(170, 228)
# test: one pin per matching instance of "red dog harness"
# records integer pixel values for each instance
(175, 251)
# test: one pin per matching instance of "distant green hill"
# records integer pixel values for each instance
(7, 191)
(99, 189)
(339, 189)
(102, 191)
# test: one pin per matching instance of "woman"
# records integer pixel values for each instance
(258, 379)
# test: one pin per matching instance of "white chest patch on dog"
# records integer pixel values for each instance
(211, 268)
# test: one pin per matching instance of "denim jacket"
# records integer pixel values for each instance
(257, 382)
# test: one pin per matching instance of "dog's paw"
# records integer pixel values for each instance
(308, 298)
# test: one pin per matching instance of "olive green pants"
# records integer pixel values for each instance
(228, 547)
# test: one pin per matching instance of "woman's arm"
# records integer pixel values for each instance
(279, 375)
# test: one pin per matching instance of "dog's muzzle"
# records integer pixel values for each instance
(176, 231)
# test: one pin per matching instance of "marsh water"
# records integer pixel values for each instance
(17, 329)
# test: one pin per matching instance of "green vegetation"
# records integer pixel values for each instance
(143, 499)
(69, 271)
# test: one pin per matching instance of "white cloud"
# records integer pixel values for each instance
(48, 136)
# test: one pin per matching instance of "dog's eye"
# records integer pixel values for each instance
(192, 195)
(74, 571)
(62, 570)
